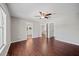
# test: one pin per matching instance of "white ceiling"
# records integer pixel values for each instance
(29, 10)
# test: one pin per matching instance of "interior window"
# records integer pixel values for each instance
(1, 28)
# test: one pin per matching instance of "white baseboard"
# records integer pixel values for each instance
(18, 40)
(59, 39)
(8, 46)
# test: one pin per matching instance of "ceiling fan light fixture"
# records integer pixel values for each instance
(42, 17)
(45, 15)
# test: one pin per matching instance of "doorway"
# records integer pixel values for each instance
(29, 31)
(47, 30)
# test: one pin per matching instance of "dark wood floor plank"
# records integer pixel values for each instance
(43, 47)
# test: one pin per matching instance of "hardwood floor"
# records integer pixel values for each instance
(43, 47)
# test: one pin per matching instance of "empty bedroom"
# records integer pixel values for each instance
(39, 29)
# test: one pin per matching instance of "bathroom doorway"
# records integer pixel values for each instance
(29, 31)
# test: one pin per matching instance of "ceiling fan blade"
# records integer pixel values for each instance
(48, 14)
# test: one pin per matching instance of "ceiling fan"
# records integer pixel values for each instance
(43, 15)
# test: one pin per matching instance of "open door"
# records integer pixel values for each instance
(29, 31)
(44, 31)
(47, 30)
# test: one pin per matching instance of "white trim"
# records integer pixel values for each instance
(8, 46)
(5, 50)
(66, 41)
(22, 39)
(18, 40)
(2, 48)
(3, 28)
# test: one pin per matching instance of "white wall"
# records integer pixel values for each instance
(66, 24)
(19, 29)
(5, 50)
(36, 29)
(51, 30)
